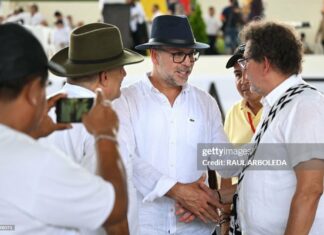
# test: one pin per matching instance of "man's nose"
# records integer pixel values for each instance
(187, 61)
(244, 79)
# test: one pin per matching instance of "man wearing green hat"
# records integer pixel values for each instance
(162, 119)
(42, 190)
(94, 59)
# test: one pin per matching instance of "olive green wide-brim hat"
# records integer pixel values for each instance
(94, 47)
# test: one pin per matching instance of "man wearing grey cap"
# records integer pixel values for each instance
(163, 118)
(243, 116)
(246, 113)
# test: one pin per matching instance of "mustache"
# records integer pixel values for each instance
(186, 70)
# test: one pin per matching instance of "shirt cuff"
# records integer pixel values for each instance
(162, 187)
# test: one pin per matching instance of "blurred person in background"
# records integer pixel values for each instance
(19, 16)
(61, 36)
(156, 11)
(212, 28)
(172, 6)
(32, 17)
(59, 16)
(70, 21)
(256, 10)
(137, 24)
(36, 18)
(232, 21)
(320, 32)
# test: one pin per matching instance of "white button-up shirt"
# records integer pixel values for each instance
(161, 141)
(79, 145)
(76, 142)
(137, 16)
(212, 25)
(36, 19)
(44, 192)
(265, 195)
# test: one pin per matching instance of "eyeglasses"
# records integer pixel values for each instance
(179, 57)
(243, 62)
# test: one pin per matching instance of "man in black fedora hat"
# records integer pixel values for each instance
(42, 191)
(94, 59)
(163, 118)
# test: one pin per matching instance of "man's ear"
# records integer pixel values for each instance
(104, 78)
(154, 56)
(266, 65)
(32, 91)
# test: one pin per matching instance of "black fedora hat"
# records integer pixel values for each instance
(238, 54)
(171, 31)
(93, 48)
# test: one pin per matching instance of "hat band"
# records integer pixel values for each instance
(96, 61)
(172, 41)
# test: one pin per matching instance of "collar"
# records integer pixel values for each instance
(276, 93)
(245, 108)
(80, 91)
(243, 104)
(147, 82)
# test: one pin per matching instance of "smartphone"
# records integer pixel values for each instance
(71, 109)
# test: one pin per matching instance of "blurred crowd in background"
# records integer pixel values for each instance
(217, 27)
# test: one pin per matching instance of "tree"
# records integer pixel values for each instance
(197, 23)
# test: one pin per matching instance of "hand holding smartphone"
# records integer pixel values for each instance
(72, 109)
(101, 119)
(47, 126)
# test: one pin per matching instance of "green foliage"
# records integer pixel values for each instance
(197, 23)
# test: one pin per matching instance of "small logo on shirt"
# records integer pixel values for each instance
(7, 227)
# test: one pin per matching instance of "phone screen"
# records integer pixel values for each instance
(71, 109)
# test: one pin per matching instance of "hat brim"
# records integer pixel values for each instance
(55, 68)
(233, 60)
(197, 45)
(84, 69)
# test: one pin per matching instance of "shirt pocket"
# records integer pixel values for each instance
(196, 132)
